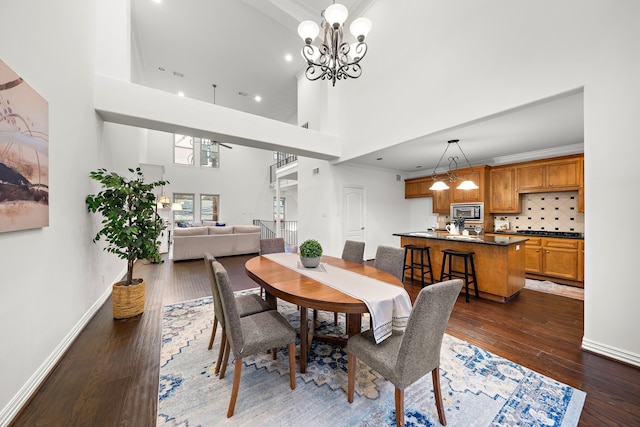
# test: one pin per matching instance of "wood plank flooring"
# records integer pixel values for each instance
(109, 376)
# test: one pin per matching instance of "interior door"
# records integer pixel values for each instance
(354, 211)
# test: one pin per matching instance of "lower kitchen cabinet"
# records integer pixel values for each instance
(555, 259)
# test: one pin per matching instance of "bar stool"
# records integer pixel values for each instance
(467, 258)
(412, 264)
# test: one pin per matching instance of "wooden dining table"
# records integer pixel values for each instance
(291, 285)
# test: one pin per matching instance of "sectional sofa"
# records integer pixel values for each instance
(193, 242)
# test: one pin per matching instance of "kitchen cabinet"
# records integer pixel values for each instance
(503, 193)
(533, 255)
(441, 202)
(477, 174)
(581, 260)
(555, 258)
(419, 187)
(550, 175)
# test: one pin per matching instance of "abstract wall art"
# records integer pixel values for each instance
(24, 154)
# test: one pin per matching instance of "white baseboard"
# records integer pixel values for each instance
(611, 352)
(33, 384)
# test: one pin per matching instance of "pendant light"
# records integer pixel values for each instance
(439, 185)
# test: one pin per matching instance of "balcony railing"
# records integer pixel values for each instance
(283, 160)
(288, 230)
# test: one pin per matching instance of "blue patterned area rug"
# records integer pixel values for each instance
(479, 388)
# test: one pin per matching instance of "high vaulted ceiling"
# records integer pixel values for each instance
(240, 46)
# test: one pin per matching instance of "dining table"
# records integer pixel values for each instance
(297, 287)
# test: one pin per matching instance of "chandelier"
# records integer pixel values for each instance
(334, 59)
(451, 173)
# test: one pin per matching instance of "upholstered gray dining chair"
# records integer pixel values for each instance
(406, 357)
(391, 260)
(353, 251)
(271, 246)
(247, 304)
(252, 334)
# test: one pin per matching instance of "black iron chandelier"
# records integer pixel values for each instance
(451, 173)
(334, 59)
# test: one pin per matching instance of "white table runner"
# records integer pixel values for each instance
(388, 304)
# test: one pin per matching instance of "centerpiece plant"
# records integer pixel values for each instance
(310, 253)
(131, 227)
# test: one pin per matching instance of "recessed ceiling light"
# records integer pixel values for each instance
(243, 93)
(161, 68)
(180, 93)
(379, 158)
(157, 1)
(418, 167)
(288, 57)
(178, 74)
(258, 98)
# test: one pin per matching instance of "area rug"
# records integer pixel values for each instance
(554, 288)
(479, 388)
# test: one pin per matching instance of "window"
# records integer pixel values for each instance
(278, 209)
(183, 151)
(209, 207)
(186, 202)
(209, 154)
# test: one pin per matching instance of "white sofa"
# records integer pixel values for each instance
(193, 242)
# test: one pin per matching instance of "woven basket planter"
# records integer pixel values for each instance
(128, 301)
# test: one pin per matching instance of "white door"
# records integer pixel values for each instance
(353, 210)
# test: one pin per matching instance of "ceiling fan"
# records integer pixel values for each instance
(214, 103)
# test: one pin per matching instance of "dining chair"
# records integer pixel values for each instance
(247, 305)
(252, 334)
(404, 358)
(353, 251)
(271, 246)
(391, 260)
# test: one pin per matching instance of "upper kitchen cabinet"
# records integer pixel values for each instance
(417, 187)
(503, 190)
(441, 201)
(560, 174)
(477, 174)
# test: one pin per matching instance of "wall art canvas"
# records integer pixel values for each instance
(24, 154)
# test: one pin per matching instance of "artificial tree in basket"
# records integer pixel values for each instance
(131, 227)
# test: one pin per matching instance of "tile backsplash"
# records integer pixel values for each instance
(548, 211)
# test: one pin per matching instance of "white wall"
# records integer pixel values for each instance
(242, 181)
(52, 277)
(320, 205)
(458, 61)
(421, 214)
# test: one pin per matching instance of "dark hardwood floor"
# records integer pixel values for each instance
(109, 376)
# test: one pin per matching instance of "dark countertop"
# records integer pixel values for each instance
(507, 239)
(524, 233)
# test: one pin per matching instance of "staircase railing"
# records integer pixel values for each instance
(288, 230)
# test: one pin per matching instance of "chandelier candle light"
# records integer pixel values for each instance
(334, 59)
(451, 173)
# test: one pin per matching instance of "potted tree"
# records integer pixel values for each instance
(131, 227)
(310, 253)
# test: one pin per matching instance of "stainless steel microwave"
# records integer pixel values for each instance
(469, 211)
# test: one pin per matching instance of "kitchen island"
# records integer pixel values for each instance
(499, 260)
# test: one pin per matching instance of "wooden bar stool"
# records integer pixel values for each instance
(448, 272)
(412, 264)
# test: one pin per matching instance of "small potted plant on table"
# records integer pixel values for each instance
(310, 253)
